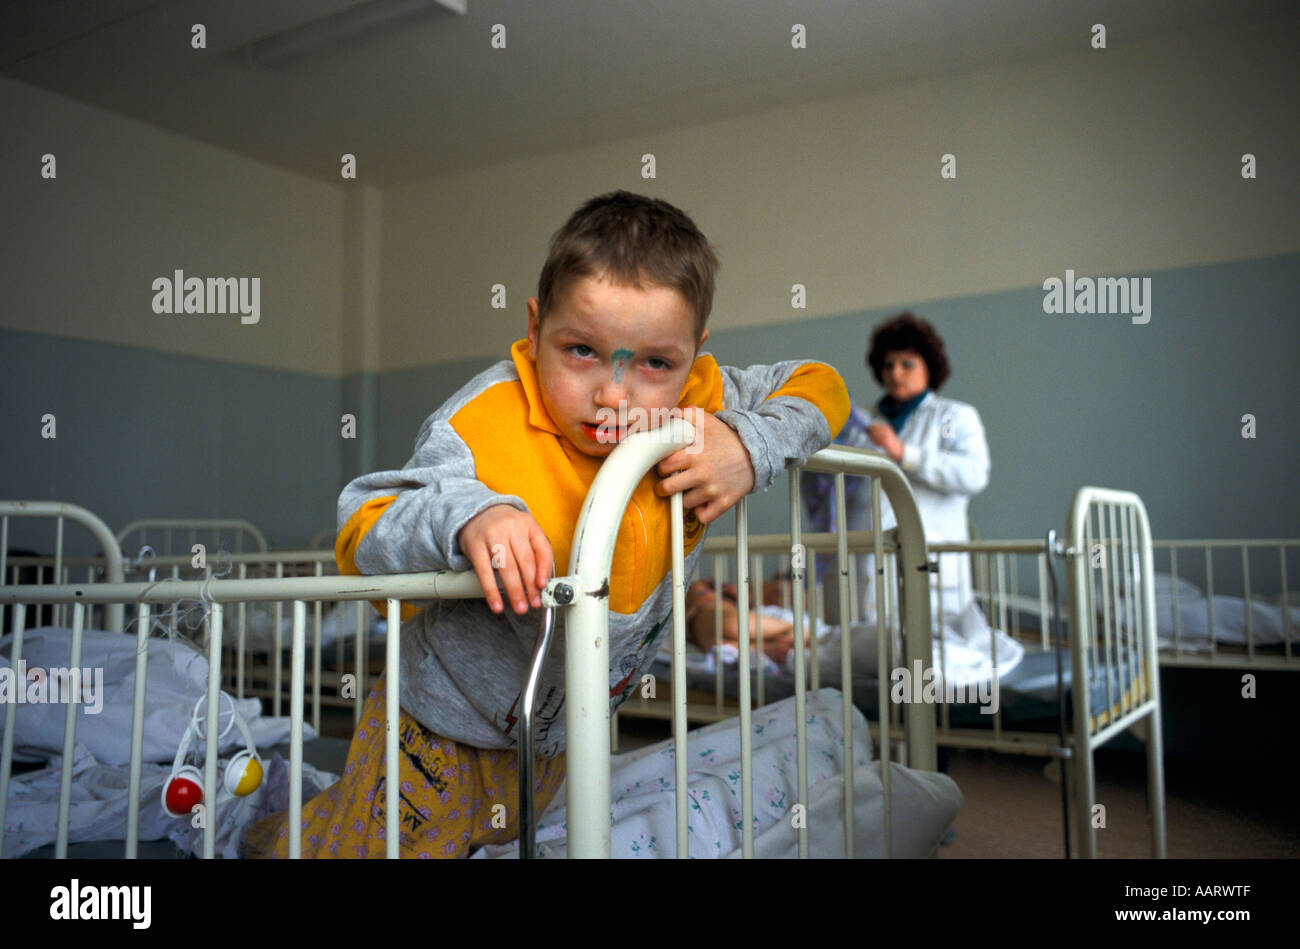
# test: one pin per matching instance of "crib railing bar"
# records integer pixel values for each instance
(993, 641)
(760, 673)
(785, 569)
(1145, 634)
(1209, 598)
(1015, 598)
(361, 662)
(936, 625)
(1132, 654)
(1178, 620)
(1086, 553)
(742, 678)
(339, 641)
(1125, 661)
(1115, 563)
(936, 631)
(800, 685)
(826, 542)
(315, 661)
(1107, 556)
(1286, 604)
(719, 579)
(1121, 606)
(883, 679)
(680, 756)
(1245, 579)
(1042, 600)
(846, 661)
(277, 657)
(69, 735)
(527, 753)
(1083, 637)
(816, 598)
(212, 726)
(60, 611)
(855, 605)
(393, 685)
(175, 604)
(434, 585)
(19, 613)
(1139, 604)
(241, 634)
(893, 626)
(297, 660)
(1128, 698)
(142, 627)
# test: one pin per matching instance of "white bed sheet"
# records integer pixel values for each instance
(1267, 616)
(642, 790)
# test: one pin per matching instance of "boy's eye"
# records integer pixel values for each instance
(580, 349)
(656, 363)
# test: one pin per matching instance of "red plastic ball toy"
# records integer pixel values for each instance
(183, 795)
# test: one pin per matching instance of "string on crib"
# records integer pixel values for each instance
(193, 616)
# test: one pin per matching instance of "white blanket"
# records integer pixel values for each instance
(643, 811)
(176, 676)
(99, 804)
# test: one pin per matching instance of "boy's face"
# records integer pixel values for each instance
(606, 344)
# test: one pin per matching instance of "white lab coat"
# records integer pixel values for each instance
(946, 460)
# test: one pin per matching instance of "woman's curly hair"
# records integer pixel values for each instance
(904, 332)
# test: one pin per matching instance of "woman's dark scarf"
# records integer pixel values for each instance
(895, 412)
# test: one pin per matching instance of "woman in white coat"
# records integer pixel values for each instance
(940, 445)
(938, 442)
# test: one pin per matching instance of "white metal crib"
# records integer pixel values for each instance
(587, 659)
(1114, 595)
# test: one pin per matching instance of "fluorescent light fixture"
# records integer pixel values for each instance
(354, 23)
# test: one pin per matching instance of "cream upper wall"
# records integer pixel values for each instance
(132, 203)
(1109, 162)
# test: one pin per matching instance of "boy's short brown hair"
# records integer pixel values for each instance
(634, 240)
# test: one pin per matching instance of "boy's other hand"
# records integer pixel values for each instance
(512, 542)
(713, 478)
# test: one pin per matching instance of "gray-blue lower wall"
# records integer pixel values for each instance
(140, 433)
(1066, 401)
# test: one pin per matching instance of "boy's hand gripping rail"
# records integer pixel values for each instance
(586, 661)
(587, 641)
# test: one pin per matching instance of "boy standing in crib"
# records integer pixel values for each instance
(496, 484)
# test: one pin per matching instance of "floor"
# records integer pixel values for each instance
(1012, 805)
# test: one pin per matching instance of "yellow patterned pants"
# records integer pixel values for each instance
(453, 798)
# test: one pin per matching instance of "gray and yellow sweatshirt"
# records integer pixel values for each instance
(493, 442)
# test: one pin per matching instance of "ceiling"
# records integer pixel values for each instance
(428, 93)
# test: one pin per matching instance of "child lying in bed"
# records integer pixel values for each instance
(496, 484)
(701, 620)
